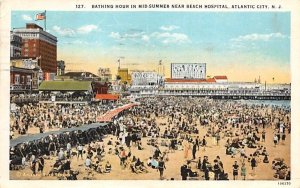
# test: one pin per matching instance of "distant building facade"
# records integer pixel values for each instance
(124, 75)
(25, 75)
(38, 43)
(105, 74)
(190, 80)
(15, 45)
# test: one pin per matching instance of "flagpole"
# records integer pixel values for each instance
(45, 21)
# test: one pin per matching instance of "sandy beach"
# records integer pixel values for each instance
(175, 160)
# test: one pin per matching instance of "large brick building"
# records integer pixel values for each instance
(37, 43)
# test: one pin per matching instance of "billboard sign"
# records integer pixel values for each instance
(188, 70)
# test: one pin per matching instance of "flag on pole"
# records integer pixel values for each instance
(40, 16)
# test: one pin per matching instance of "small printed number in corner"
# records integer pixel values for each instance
(79, 6)
(284, 183)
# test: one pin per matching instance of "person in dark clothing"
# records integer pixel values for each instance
(283, 137)
(41, 163)
(107, 167)
(52, 148)
(216, 169)
(156, 153)
(161, 167)
(41, 129)
(139, 145)
(183, 172)
(218, 137)
(221, 164)
(67, 166)
(194, 150)
(206, 173)
(253, 163)
(73, 175)
(288, 175)
(33, 167)
(199, 164)
(263, 136)
(204, 163)
(204, 143)
(205, 168)
(197, 142)
(266, 159)
(128, 140)
(235, 170)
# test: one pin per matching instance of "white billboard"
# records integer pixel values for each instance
(188, 70)
(144, 78)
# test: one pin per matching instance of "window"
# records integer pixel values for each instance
(17, 79)
(28, 80)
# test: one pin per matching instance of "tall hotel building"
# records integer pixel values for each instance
(37, 43)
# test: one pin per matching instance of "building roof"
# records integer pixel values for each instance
(79, 74)
(220, 77)
(107, 97)
(209, 80)
(33, 26)
(21, 69)
(65, 86)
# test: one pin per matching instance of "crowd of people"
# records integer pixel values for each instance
(45, 117)
(33, 98)
(165, 127)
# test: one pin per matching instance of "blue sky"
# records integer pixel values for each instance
(225, 41)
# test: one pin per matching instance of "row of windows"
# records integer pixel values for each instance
(21, 79)
(26, 45)
(28, 35)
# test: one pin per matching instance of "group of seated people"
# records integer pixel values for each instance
(137, 166)
(232, 147)
(60, 167)
(98, 167)
(282, 170)
(186, 171)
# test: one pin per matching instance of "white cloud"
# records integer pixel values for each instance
(68, 32)
(64, 31)
(115, 35)
(87, 29)
(169, 28)
(26, 17)
(171, 38)
(130, 36)
(258, 37)
(133, 35)
(146, 38)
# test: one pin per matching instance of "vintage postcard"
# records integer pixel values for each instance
(188, 92)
